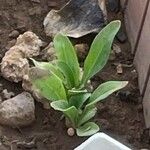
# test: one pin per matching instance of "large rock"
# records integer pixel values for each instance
(77, 18)
(14, 64)
(18, 111)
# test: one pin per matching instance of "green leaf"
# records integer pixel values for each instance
(87, 129)
(100, 50)
(79, 99)
(67, 72)
(106, 89)
(76, 91)
(48, 66)
(87, 114)
(66, 53)
(48, 84)
(70, 112)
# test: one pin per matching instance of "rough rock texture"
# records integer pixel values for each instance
(49, 53)
(7, 95)
(15, 64)
(82, 50)
(27, 86)
(77, 18)
(17, 111)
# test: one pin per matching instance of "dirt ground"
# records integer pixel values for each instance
(121, 116)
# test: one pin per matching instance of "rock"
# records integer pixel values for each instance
(112, 56)
(116, 49)
(77, 18)
(27, 86)
(14, 64)
(18, 111)
(35, 11)
(82, 50)
(14, 34)
(124, 95)
(7, 95)
(121, 36)
(119, 69)
(35, 1)
(10, 44)
(114, 5)
(140, 108)
(70, 132)
(30, 44)
(49, 52)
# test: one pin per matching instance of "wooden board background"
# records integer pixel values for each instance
(137, 20)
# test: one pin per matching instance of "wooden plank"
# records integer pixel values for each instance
(146, 105)
(142, 57)
(133, 18)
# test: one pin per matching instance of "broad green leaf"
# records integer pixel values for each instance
(48, 66)
(100, 50)
(48, 84)
(70, 112)
(79, 99)
(66, 53)
(87, 114)
(68, 74)
(87, 129)
(106, 89)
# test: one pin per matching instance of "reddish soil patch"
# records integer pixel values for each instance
(121, 116)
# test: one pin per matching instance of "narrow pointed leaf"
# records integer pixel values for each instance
(68, 74)
(106, 89)
(70, 112)
(100, 50)
(87, 129)
(48, 84)
(79, 99)
(66, 53)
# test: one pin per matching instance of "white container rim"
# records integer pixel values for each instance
(104, 136)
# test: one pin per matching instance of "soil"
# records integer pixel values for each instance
(121, 116)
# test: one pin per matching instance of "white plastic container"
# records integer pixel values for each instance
(101, 141)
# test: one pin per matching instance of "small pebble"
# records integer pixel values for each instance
(14, 34)
(112, 56)
(116, 49)
(7, 95)
(70, 132)
(119, 69)
(35, 11)
(124, 95)
(10, 44)
(82, 50)
(36, 1)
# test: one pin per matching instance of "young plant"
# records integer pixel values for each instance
(64, 84)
